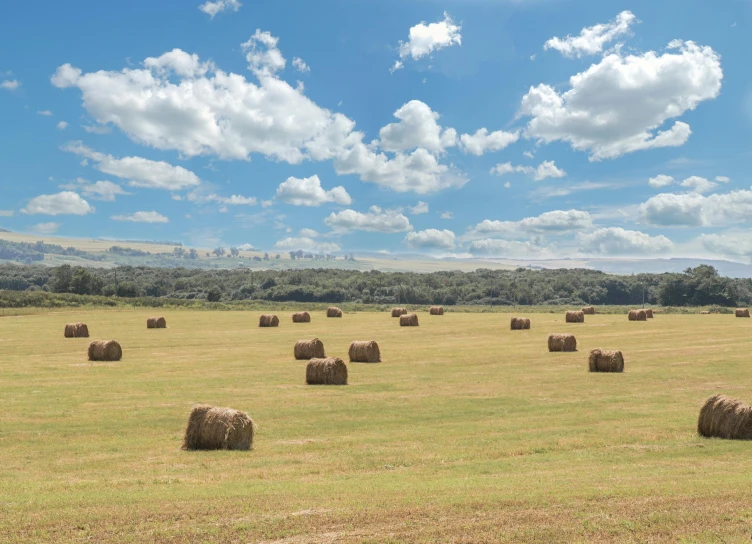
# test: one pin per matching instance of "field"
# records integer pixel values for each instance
(467, 432)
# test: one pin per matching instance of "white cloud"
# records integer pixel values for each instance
(97, 129)
(731, 244)
(300, 65)
(447, 215)
(529, 154)
(46, 228)
(695, 210)
(722, 179)
(557, 221)
(376, 220)
(62, 125)
(306, 244)
(101, 190)
(139, 171)
(142, 217)
(619, 105)
(309, 233)
(211, 8)
(698, 184)
(482, 141)
(7, 213)
(431, 238)
(618, 241)
(424, 39)
(592, 39)
(417, 128)
(420, 208)
(64, 203)
(263, 56)
(509, 248)
(246, 247)
(308, 192)
(546, 169)
(661, 180)
(234, 200)
(45, 113)
(266, 203)
(10, 84)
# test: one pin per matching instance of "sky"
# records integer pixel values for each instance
(529, 129)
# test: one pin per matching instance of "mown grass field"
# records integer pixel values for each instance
(467, 432)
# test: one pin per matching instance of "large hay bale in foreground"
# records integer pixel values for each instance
(436, 310)
(309, 349)
(211, 428)
(156, 323)
(409, 320)
(588, 310)
(520, 323)
(724, 417)
(76, 330)
(562, 342)
(649, 313)
(105, 350)
(575, 317)
(396, 312)
(638, 315)
(301, 317)
(602, 360)
(331, 371)
(333, 312)
(365, 352)
(742, 312)
(268, 321)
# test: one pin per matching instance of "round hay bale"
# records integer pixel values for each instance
(705, 312)
(588, 310)
(268, 321)
(76, 330)
(724, 417)
(365, 352)
(211, 428)
(562, 342)
(309, 349)
(436, 310)
(333, 312)
(575, 317)
(105, 350)
(156, 323)
(520, 323)
(396, 312)
(409, 320)
(742, 312)
(649, 313)
(301, 317)
(638, 315)
(602, 360)
(331, 371)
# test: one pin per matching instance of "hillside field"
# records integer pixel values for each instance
(466, 432)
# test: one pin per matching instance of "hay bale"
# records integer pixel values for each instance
(436, 310)
(309, 349)
(331, 371)
(602, 360)
(520, 323)
(301, 317)
(396, 312)
(76, 330)
(638, 315)
(649, 313)
(724, 417)
(562, 342)
(705, 312)
(211, 428)
(575, 317)
(105, 350)
(409, 320)
(742, 312)
(365, 352)
(268, 321)
(333, 312)
(156, 323)
(588, 310)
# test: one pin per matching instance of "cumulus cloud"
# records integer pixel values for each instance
(46, 228)
(699, 184)
(306, 244)
(300, 65)
(447, 215)
(557, 221)
(263, 56)
(45, 113)
(309, 233)
(417, 128)
(420, 208)
(142, 217)
(211, 8)
(64, 203)
(731, 244)
(62, 125)
(618, 241)
(10, 84)
(234, 200)
(431, 239)
(592, 40)
(492, 247)
(308, 192)
(424, 39)
(376, 220)
(483, 141)
(546, 169)
(696, 210)
(661, 180)
(619, 105)
(101, 190)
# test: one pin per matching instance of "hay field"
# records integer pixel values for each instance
(466, 432)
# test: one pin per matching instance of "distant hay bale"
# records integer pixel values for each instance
(742, 312)
(331, 371)
(76, 330)
(724, 417)
(705, 312)
(588, 310)
(649, 313)
(309, 349)
(301, 317)
(575, 317)
(638, 315)
(520, 323)
(562, 342)
(436, 310)
(105, 350)
(268, 321)
(156, 323)
(365, 352)
(602, 360)
(409, 320)
(396, 312)
(211, 428)
(333, 312)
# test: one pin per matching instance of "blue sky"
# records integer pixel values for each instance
(527, 128)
